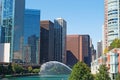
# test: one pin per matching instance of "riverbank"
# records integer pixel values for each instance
(18, 75)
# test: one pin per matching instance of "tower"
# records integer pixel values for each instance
(31, 36)
(12, 22)
(112, 21)
(60, 39)
(47, 41)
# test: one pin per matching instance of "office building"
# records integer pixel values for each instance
(47, 41)
(105, 26)
(111, 60)
(111, 22)
(12, 22)
(32, 36)
(78, 49)
(93, 53)
(60, 26)
(99, 49)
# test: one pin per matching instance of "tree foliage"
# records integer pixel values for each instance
(30, 69)
(17, 68)
(105, 50)
(103, 73)
(115, 44)
(36, 70)
(1, 69)
(118, 76)
(9, 69)
(81, 71)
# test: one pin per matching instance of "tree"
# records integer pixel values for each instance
(17, 68)
(9, 69)
(30, 69)
(2, 69)
(115, 44)
(36, 70)
(105, 50)
(81, 71)
(103, 73)
(118, 76)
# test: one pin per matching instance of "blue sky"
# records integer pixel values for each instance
(82, 16)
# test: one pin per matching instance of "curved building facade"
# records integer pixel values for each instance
(113, 20)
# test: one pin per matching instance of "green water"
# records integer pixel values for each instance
(50, 77)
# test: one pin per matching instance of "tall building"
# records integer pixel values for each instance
(111, 25)
(12, 22)
(99, 49)
(78, 49)
(0, 33)
(47, 41)
(60, 26)
(32, 36)
(105, 26)
(93, 51)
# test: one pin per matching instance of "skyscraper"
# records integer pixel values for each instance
(99, 49)
(60, 39)
(32, 36)
(47, 41)
(111, 25)
(105, 26)
(12, 22)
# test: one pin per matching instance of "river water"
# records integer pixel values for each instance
(43, 77)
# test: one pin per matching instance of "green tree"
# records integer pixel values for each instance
(118, 76)
(115, 44)
(1, 69)
(36, 70)
(103, 73)
(9, 69)
(81, 71)
(105, 50)
(17, 68)
(30, 69)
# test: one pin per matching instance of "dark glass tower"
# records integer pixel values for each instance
(60, 39)
(47, 41)
(32, 36)
(12, 22)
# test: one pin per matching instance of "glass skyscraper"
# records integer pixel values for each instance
(12, 22)
(113, 24)
(32, 36)
(60, 39)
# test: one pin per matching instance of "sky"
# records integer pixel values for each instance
(82, 16)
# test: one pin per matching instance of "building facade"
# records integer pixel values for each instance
(32, 36)
(5, 52)
(99, 49)
(93, 53)
(111, 60)
(111, 24)
(78, 49)
(12, 22)
(105, 26)
(47, 41)
(60, 26)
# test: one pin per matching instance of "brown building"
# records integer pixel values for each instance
(46, 41)
(78, 49)
(105, 27)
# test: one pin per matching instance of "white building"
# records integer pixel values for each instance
(97, 63)
(5, 52)
(94, 67)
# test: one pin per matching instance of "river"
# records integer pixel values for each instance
(43, 77)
